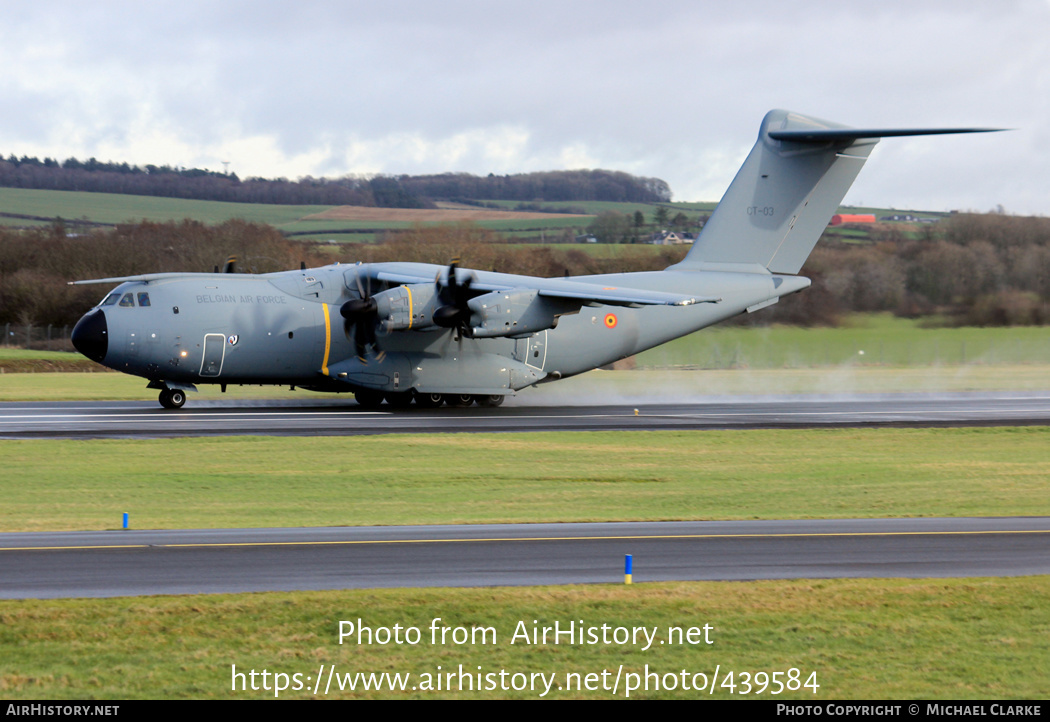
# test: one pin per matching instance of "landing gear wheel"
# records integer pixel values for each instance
(491, 400)
(369, 399)
(399, 399)
(172, 398)
(461, 401)
(429, 401)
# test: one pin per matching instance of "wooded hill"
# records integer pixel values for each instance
(386, 191)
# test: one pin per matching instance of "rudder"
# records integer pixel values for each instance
(787, 190)
(782, 197)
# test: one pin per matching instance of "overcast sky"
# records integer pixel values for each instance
(664, 88)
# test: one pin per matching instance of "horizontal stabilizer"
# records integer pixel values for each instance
(851, 134)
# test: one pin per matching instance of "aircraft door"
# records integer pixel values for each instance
(214, 351)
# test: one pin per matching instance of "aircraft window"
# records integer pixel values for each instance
(143, 299)
(110, 299)
(128, 300)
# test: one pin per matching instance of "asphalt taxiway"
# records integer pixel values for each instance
(341, 416)
(127, 563)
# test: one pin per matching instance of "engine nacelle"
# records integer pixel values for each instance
(407, 308)
(515, 313)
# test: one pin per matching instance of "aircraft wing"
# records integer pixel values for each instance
(141, 278)
(568, 288)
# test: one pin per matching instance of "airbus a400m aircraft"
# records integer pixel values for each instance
(417, 333)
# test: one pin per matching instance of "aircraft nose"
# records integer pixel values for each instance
(91, 335)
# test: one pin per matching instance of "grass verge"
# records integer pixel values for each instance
(866, 340)
(537, 477)
(864, 639)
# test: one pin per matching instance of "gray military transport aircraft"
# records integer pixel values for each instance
(417, 333)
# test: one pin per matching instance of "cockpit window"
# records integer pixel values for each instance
(128, 300)
(143, 299)
(110, 299)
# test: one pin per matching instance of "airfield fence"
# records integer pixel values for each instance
(40, 338)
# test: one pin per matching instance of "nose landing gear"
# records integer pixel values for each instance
(172, 398)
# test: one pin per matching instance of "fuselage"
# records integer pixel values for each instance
(285, 328)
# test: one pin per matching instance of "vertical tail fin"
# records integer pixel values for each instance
(786, 192)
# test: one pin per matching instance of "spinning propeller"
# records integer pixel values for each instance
(454, 294)
(361, 314)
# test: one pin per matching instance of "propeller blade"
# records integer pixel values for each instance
(455, 294)
(360, 288)
(355, 308)
(361, 339)
(361, 314)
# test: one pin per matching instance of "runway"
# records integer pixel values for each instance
(341, 416)
(108, 564)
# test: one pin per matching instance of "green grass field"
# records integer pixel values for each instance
(866, 340)
(116, 208)
(597, 250)
(12, 353)
(480, 478)
(863, 639)
(591, 207)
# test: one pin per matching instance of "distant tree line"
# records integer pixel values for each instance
(968, 270)
(568, 185)
(616, 227)
(192, 183)
(36, 265)
(385, 191)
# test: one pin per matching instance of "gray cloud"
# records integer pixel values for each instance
(669, 89)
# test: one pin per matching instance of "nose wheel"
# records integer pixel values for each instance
(172, 398)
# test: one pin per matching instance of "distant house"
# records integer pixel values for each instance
(586, 238)
(839, 218)
(670, 238)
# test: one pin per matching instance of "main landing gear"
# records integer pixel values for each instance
(371, 399)
(172, 398)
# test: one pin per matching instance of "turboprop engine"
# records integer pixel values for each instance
(521, 312)
(407, 307)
